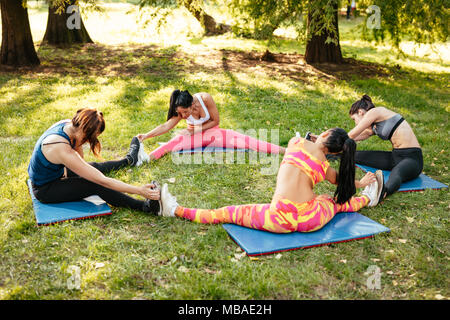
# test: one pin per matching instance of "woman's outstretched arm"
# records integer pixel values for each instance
(161, 129)
(369, 118)
(64, 154)
(364, 135)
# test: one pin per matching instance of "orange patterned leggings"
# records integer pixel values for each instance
(280, 216)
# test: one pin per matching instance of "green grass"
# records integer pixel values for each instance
(138, 251)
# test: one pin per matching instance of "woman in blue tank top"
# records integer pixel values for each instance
(59, 173)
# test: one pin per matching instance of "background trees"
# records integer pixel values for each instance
(17, 43)
(315, 20)
(417, 20)
(57, 32)
(195, 7)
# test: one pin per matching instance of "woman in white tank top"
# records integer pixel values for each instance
(202, 118)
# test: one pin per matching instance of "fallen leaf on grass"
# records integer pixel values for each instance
(99, 265)
(183, 269)
(278, 256)
(171, 180)
(238, 256)
(343, 261)
(402, 240)
(174, 259)
(410, 220)
(253, 258)
(375, 260)
(212, 271)
(439, 297)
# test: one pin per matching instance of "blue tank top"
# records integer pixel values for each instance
(40, 170)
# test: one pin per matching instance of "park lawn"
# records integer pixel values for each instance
(130, 255)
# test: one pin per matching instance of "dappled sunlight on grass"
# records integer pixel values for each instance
(424, 60)
(129, 75)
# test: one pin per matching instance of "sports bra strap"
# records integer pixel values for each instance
(46, 144)
(199, 97)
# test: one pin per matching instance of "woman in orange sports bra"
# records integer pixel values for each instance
(294, 206)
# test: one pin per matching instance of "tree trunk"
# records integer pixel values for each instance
(317, 50)
(17, 42)
(58, 33)
(208, 23)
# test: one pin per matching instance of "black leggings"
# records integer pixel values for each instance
(75, 188)
(405, 164)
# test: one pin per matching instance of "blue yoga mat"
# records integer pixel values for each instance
(422, 182)
(57, 212)
(343, 227)
(206, 149)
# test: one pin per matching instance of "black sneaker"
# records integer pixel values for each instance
(132, 154)
(152, 206)
(158, 187)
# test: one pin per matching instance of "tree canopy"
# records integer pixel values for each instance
(417, 20)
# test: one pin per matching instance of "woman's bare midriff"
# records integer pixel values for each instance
(293, 184)
(404, 137)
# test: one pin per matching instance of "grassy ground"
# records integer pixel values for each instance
(129, 75)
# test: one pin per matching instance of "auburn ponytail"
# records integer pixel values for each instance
(338, 141)
(91, 123)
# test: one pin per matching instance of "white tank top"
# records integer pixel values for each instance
(195, 122)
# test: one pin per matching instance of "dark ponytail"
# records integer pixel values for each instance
(365, 103)
(179, 99)
(338, 141)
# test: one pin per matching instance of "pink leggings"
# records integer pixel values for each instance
(215, 137)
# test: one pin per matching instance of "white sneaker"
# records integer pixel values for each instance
(371, 191)
(169, 202)
(142, 155)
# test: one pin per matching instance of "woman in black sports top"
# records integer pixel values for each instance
(405, 160)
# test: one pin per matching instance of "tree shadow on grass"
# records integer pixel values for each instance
(99, 60)
(291, 66)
